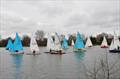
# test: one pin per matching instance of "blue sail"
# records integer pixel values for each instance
(17, 43)
(10, 45)
(79, 44)
(64, 43)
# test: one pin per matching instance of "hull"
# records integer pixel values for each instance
(104, 46)
(7, 49)
(114, 51)
(33, 54)
(88, 46)
(59, 52)
(79, 50)
(17, 53)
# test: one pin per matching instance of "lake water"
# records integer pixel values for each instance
(46, 66)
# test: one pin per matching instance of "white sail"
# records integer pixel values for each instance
(72, 43)
(50, 43)
(57, 43)
(104, 42)
(33, 44)
(88, 43)
(115, 42)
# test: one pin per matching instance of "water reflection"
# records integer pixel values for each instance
(54, 66)
(17, 62)
(79, 55)
(33, 67)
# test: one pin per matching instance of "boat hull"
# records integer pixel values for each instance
(114, 51)
(33, 54)
(7, 49)
(17, 53)
(56, 52)
(89, 47)
(104, 46)
(79, 50)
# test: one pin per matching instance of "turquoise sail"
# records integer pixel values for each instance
(10, 45)
(79, 44)
(17, 43)
(64, 43)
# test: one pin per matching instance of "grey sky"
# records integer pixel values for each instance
(65, 16)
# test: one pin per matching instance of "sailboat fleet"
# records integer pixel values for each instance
(57, 47)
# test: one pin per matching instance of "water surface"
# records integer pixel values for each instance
(45, 66)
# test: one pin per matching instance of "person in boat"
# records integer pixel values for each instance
(16, 50)
(34, 52)
(59, 51)
(118, 48)
(50, 50)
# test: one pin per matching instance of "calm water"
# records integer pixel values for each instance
(45, 66)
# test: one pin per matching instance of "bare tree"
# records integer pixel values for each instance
(39, 34)
(103, 69)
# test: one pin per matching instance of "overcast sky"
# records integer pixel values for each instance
(65, 16)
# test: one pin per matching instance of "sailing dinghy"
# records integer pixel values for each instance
(50, 44)
(88, 43)
(18, 48)
(34, 47)
(79, 44)
(115, 45)
(56, 46)
(104, 43)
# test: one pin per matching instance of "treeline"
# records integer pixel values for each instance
(95, 40)
(42, 41)
(25, 41)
